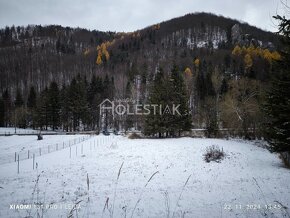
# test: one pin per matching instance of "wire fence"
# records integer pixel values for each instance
(26, 132)
(37, 152)
(42, 150)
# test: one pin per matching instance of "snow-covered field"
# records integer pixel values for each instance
(112, 176)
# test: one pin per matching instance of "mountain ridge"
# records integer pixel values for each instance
(74, 50)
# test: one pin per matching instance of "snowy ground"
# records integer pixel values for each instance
(242, 185)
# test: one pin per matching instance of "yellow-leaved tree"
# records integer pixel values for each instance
(267, 55)
(248, 61)
(99, 58)
(237, 50)
(276, 56)
(196, 62)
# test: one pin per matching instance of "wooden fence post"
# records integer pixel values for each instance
(18, 165)
(33, 161)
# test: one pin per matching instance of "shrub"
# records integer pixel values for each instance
(134, 136)
(213, 153)
(39, 136)
(285, 157)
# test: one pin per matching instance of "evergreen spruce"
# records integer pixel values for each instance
(31, 106)
(7, 108)
(2, 112)
(277, 105)
(19, 99)
(64, 111)
(20, 113)
(42, 109)
(154, 124)
(171, 92)
(95, 95)
(54, 106)
(180, 122)
(77, 100)
(31, 100)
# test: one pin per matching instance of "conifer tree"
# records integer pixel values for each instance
(153, 122)
(277, 105)
(182, 121)
(20, 113)
(95, 94)
(78, 106)
(31, 100)
(31, 106)
(2, 112)
(42, 109)
(54, 106)
(64, 111)
(170, 95)
(19, 99)
(7, 107)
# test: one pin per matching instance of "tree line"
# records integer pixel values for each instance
(70, 107)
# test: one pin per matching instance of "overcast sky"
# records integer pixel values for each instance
(130, 15)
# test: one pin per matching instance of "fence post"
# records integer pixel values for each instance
(18, 165)
(28, 154)
(33, 161)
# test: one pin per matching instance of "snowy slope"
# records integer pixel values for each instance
(249, 177)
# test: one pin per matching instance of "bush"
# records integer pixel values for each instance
(134, 136)
(213, 153)
(39, 136)
(285, 157)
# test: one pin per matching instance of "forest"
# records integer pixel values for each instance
(218, 69)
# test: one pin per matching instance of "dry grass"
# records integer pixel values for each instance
(213, 153)
(70, 215)
(174, 212)
(115, 191)
(141, 193)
